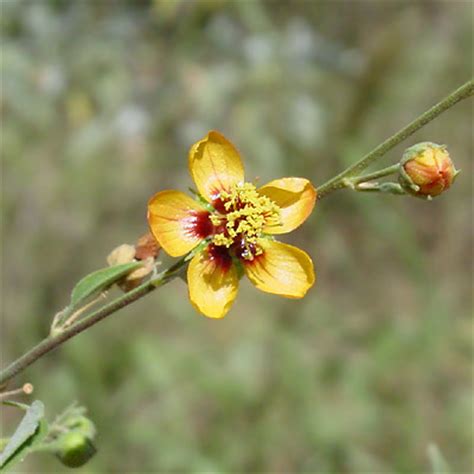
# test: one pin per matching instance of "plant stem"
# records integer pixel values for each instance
(27, 389)
(51, 342)
(352, 182)
(339, 181)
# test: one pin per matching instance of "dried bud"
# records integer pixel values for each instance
(133, 279)
(147, 246)
(426, 170)
(122, 254)
(128, 253)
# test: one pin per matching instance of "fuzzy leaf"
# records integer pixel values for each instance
(99, 280)
(29, 433)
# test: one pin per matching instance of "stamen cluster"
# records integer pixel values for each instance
(240, 218)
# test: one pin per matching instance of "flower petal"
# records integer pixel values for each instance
(178, 222)
(215, 165)
(295, 197)
(281, 269)
(213, 282)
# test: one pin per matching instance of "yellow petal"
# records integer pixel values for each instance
(178, 222)
(281, 269)
(295, 197)
(212, 282)
(215, 165)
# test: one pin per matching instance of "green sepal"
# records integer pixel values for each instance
(404, 179)
(178, 266)
(198, 249)
(201, 200)
(416, 150)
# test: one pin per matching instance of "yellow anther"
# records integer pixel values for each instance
(247, 213)
(221, 239)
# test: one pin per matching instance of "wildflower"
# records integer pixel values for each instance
(426, 170)
(229, 227)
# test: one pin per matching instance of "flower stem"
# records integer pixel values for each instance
(27, 389)
(387, 188)
(353, 182)
(340, 181)
(82, 310)
(51, 342)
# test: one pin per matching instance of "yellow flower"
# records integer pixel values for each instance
(236, 221)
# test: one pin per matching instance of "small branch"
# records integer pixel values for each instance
(353, 182)
(51, 342)
(340, 181)
(27, 389)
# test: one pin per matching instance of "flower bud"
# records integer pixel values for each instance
(76, 449)
(146, 251)
(147, 246)
(426, 170)
(122, 254)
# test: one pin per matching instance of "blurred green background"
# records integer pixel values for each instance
(101, 101)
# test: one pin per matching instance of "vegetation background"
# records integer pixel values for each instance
(101, 101)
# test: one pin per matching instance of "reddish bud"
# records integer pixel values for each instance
(426, 170)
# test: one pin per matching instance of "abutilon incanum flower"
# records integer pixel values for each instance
(230, 227)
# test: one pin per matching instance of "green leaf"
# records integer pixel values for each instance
(99, 280)
(29, 433)
(438, 463)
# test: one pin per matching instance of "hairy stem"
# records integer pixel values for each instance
(51, 342)
(352, 182)
(340, 181)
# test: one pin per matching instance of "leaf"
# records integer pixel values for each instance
(438, 463)
(99, 280)
(29, 433)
